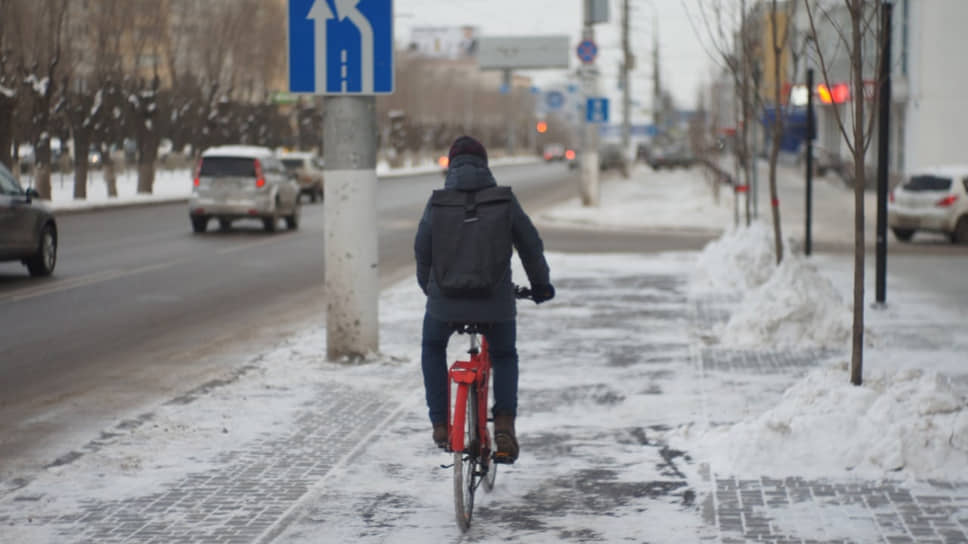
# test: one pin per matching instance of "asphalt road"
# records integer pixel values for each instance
(140, 309)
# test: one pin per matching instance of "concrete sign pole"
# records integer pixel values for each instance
(588, 188)
(351, 243)
(510, 112)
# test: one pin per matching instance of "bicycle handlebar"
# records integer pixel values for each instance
(523, 292)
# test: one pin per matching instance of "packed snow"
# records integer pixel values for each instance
(678, 200)
(909, 419)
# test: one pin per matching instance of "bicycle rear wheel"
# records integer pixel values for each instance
(466, 472)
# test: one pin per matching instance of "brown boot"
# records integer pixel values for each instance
(440, 435)
(504, 439)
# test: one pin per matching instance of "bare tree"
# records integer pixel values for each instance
(781, 45)
(865, 33)
(732, 40)
(8, 82)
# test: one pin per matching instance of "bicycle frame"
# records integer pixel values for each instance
(464, 373)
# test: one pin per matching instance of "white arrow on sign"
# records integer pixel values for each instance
(320, 14)
(346, 9)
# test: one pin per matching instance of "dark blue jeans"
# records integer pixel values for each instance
(501, 339)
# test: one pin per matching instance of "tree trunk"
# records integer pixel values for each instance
(6, 121)
(42, 156)
(777, 134)
(42, 180)
(81, 144)
(860, 179)
(774, 199)
(110, 171)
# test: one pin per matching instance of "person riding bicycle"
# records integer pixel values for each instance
(468, 172)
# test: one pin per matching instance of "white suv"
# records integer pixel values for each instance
(934, 200)
(241, 182)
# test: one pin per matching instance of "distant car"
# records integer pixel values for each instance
(553, 152)
(28, 229)
(308, 169)
(242, 182)
(934, 200)
(670, 155)
(610, 157)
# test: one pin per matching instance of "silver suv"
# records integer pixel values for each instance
(242, 182)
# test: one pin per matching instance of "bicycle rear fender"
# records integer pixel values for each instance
(460, 414)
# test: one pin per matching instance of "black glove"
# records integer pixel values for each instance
(541, 293)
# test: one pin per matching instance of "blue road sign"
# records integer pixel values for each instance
(554, 100)
(341, 46)
(596, 110)
(587, 51)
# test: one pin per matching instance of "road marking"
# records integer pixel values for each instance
(82, 281)
(113, 274)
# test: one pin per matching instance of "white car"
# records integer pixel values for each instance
(934, 199)
(242, 182)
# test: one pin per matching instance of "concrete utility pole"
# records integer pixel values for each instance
(589, 189)
(626, 90)
(509, 89)
(351, 243)
(656, 81)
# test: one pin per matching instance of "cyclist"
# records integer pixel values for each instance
(468, 172)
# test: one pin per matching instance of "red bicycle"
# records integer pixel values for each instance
(468, 431)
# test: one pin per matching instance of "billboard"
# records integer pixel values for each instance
(447, 42)
(523, 52)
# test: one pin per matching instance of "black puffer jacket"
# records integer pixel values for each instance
(470, 173)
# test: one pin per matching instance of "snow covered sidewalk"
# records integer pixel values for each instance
(670, 397)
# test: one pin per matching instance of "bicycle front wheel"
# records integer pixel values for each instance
(465, 464)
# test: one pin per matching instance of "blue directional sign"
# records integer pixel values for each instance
(596, 110)
(587, 51)
(341, 46)
(554, 100)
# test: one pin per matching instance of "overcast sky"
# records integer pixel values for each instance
(684, 63)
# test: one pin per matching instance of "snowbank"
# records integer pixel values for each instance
(796, 306)
(785, 305)
(906, 422)
(741, 259)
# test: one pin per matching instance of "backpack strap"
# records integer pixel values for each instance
(470, 207)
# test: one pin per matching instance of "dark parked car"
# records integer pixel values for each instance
(28, 230)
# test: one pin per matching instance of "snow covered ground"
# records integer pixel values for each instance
(908, 422)
(176, 185)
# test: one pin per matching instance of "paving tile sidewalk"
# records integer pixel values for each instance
(801, 510)
(609, 369)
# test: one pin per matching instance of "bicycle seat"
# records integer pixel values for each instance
(471, 328)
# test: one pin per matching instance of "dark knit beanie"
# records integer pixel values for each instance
(465, 145)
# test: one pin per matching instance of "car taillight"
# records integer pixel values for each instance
(443, 161)
(547, 156)
(260, 181)
(946, 201)
(570, 154)
(198, 170)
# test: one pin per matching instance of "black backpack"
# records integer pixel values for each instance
(471, 240)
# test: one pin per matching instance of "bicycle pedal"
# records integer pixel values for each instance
(503, 459)
(447, 466)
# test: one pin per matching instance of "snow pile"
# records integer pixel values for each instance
(904, 421)
(796, 306)
(741, 259)
(785, 305)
